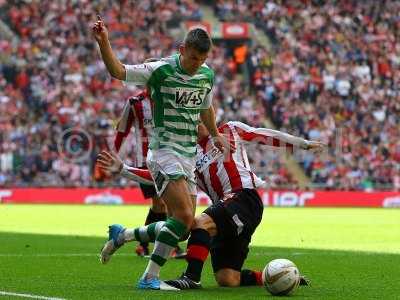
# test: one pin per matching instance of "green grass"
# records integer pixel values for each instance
(52, 251)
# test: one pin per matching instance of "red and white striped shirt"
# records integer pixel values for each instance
(137, 112)
(231, 173)
(219, 175)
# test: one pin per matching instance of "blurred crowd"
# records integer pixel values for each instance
(331, 73)
(58, 105)
(52, 81)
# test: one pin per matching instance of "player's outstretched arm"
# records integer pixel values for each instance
(113, 65)
(112, 163)
(275, 138)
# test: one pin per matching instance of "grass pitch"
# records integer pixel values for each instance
(52, 251)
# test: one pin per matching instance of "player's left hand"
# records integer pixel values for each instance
(222, 144)
(110, 162)
(316, 146)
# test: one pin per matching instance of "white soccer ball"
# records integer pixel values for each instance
(281, 277)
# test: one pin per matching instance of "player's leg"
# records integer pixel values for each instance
(178, 252)
(229, 245)
(157, 212)
(232, 278)
(227, 277)
(228, 254)
(210, 230)
(214, 224)
(174, 179)
(227, 258)
(177, 199)
(198, 248)
(119, 235)
(214, 229)
(180, 206)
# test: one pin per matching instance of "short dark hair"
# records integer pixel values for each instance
(198, 39)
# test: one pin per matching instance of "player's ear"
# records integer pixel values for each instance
(182, 49)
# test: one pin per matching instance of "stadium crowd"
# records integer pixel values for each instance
(331, 73)
(53, 80)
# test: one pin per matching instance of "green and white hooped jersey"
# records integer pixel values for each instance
(178, 99)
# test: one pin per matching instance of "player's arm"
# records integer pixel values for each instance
(112, 163)
(207, 116)
(113, 65)
(139, 175)
(275, 138)
(207, 113)
(137, 74)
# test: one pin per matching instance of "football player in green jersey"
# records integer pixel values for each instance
(181, 88)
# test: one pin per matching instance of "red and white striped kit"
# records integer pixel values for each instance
(138, 113)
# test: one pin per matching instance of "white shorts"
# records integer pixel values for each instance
(165, 165)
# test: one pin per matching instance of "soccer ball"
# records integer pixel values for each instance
(281, 277)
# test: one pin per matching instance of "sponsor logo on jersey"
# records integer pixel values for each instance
(204, 83)
(204, 160)
(148, 122)
(189, 98)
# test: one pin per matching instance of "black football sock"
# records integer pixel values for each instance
(197, 251)
(250, 277)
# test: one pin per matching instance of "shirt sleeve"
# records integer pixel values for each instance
(139, 175)
(207, 100)
(140, 74)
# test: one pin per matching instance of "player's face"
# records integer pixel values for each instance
(191, 59)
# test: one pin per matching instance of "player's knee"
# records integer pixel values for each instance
(198, 223)
(228, 278)
(205, 222)
(186, 217)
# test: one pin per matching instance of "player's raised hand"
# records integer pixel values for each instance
(109, 162)
(315, 146)
(99, 30)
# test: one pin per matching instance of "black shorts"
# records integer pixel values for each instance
(149, 191)
(236, 219)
